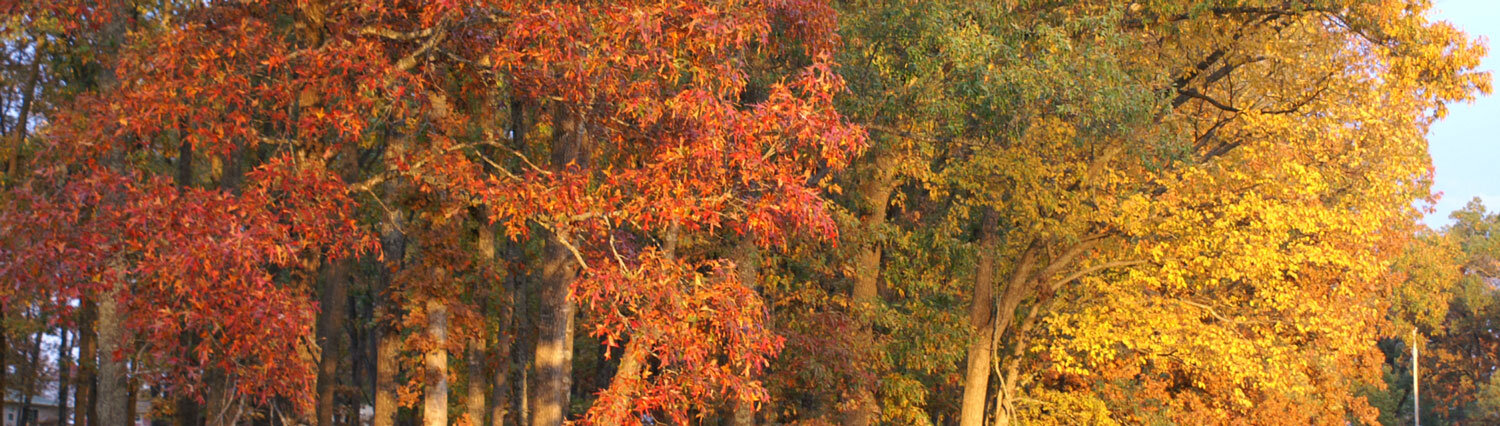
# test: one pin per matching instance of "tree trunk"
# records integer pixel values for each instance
(386, 365)
(500, 382)
(64, 367)
(1006, 398)
(388, 337)
(131, 403)
(474, 400)
(500, 402)
(981, 349)
(333, 301)
(108, 396)
(218, 410)
(475, 403)
(875, 192)
(24, 115)
(627, 380)
(505, 406)
(188, 409)
(554, 358)
(83, 394)
(1019, 287)
(219, 396)
(435, 403)
(27, 391)
(747, 267)
(524, 320)
(114, 385)
(554, 342)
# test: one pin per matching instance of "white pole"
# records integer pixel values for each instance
(1416, 395)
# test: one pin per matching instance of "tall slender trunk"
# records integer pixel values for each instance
(747, 266)
(1005, 399)
(110, 382)
(187, 410)
(554, 342)
(554, 357)
(388, 337)
(64, 371)
(132, 405)
(333, 302)
(475, 353)
(474, 400)
(500, 396)
(499, 403)
(435, 397)
(627, 379)
(83, 394)
(628, 374)
(1017, 289)
(981, 349)
(34, 370)
(220, 395)
(24, 115)
(219, 409)
(875, 191)
(114, 386)
(361, 367)
(386, 366)
(500, 381)
(526, 334)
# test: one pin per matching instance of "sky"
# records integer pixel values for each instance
(1465, 146)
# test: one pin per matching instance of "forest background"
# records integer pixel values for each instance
(334, 212)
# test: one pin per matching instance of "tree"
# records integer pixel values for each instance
(1163, 173)
(332, 100)
(1447, 296)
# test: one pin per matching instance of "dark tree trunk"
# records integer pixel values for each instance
(385, 311)
(83, 394)
(24, 115)
(64, 371)
(500, 405)
(131, 403)
(34, 372)
(187, 411)
(474, 400)
(332, 301)
(359, 335)
(507, 407)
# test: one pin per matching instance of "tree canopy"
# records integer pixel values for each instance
(738, 212)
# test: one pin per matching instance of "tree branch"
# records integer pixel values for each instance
(1092, 269)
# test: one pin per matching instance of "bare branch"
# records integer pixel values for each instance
(1092, 269)
(1195, 94)
(396, 35)
(411, 60)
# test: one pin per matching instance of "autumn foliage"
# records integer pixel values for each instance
(768, 211)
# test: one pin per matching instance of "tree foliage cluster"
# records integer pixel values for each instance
(737, 212)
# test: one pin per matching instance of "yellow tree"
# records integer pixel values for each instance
(1247, 269)
(1182, 208)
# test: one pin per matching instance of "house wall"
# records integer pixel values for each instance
(12, 414)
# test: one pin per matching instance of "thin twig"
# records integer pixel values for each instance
(388, 213)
